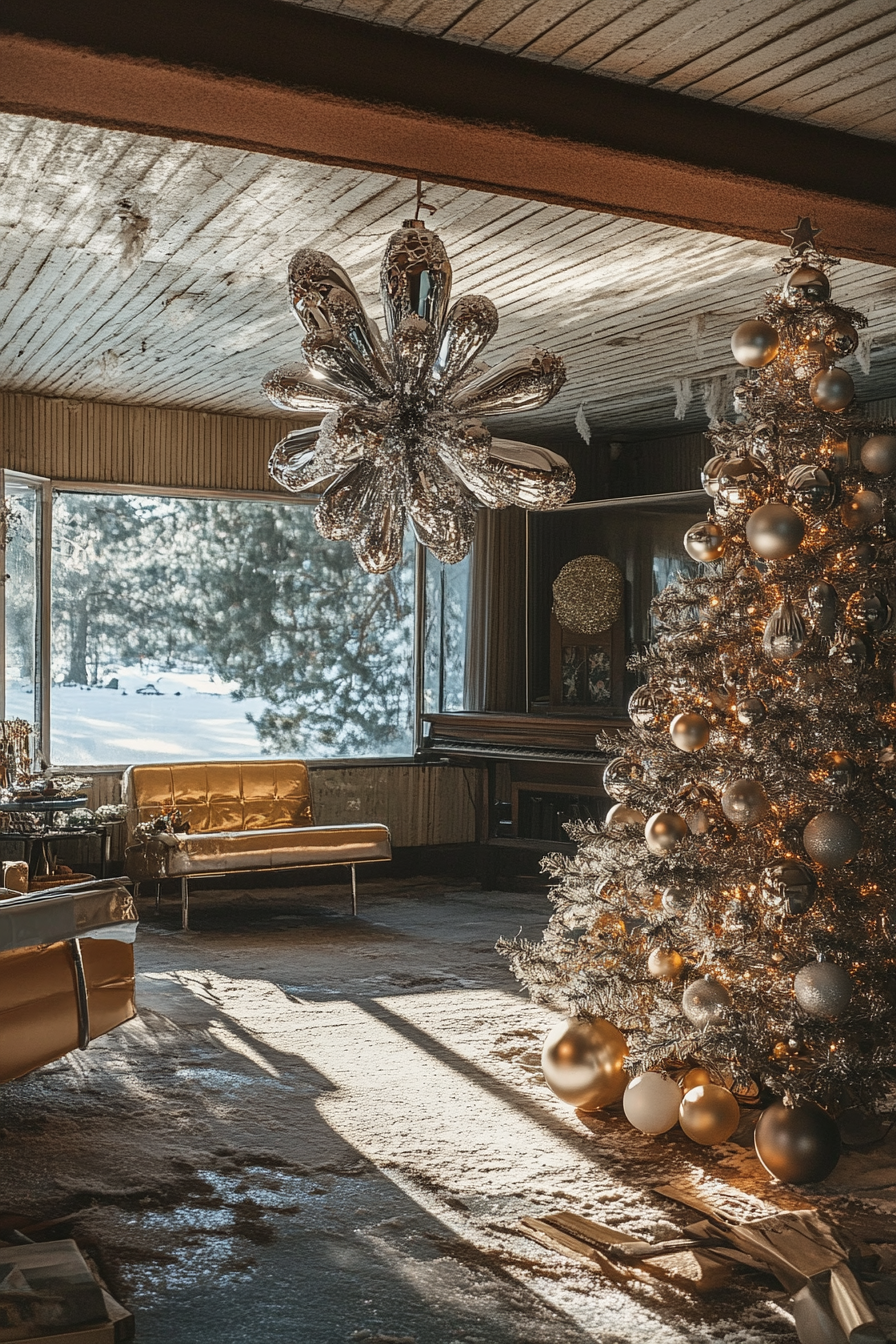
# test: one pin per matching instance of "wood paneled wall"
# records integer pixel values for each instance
(105, 443)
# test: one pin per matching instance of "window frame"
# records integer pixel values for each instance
(48, 487)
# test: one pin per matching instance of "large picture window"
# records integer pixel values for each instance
(207, 628)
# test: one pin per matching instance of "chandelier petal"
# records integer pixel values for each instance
(379, 546)
(313, 277)
(414, 345)
(337, 361)
(294, 388)
(415, 276)
(294, 462)
(536, 477)
(351, 433)
(344, 506)
(441, 513)
(521, 383)
(469, 326)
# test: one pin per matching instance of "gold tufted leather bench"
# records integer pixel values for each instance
(244, 816)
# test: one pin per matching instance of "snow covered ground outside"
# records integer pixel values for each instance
(194, 717)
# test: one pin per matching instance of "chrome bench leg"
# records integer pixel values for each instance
(184, 903)
(158, 899)
(354, 890)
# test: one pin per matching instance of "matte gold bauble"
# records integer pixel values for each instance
(689, 732)
(696, 1077)
(582, 1062)
(664, 831)
(863, 509)
(651, 1103)
(755, 344)
(664, 963)
(621, 815)
(705, 542)
(842, 338)
(788, 887)
(879, 454)
(744, 802)
(642, 707)
(775, 531)
(709, 476)
(797, 1144)
(676, 901)
(807, 282)
(823, 989)
(704, 1002)
(785, 632)
(832, 839)
(814, 491)
(832, 389)
(709, 1114)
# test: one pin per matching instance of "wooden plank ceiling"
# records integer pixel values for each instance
(143, 270)
(814, 60)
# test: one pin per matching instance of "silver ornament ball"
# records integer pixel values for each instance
(807, 283)
(709, 476)
(741, 482)
(676, 901)
(788, 887)
(842, 338)
(619, 775)
(813, 489)
(642, 707)
(832, 839)
(745, 803)
(823, 989)
(705, 1002)
(839, 772)
(751, 711)
(785, 632)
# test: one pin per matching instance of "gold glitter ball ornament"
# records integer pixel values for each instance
(664, 963)
(588, 594)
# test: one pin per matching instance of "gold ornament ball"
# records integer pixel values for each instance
(775, 531)
(621, 815)
(705, 542)
(651, 1103)
(664, 963)
(582, 1062)
(675, 901)
(664, 831)
(807, 282)
(705, 1002)
(863, 509)
(832, 389)
(689, 732)
(744, 802)
(797, 1144)
(879, 454)
(709, 1114)
(755, 344)
(696, 1077)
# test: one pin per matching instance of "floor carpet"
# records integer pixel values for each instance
(322, 1129)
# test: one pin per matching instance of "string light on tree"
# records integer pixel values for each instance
(746, 934)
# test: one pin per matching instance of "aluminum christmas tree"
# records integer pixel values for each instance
(734, 910)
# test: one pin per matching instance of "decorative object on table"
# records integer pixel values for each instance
(762, 753)
(401, 435)
(15, 753)
(588, 636)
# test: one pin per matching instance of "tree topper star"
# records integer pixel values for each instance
(802, 236)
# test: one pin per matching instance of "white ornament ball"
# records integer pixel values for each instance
(621, 815)
(651, 1102)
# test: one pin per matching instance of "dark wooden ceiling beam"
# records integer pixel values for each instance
(295, 82)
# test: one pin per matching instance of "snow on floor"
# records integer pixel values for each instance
(323, 1129)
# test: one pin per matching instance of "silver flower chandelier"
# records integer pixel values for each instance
(400, 435)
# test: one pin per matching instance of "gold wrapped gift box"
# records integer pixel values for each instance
(39, 1001)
